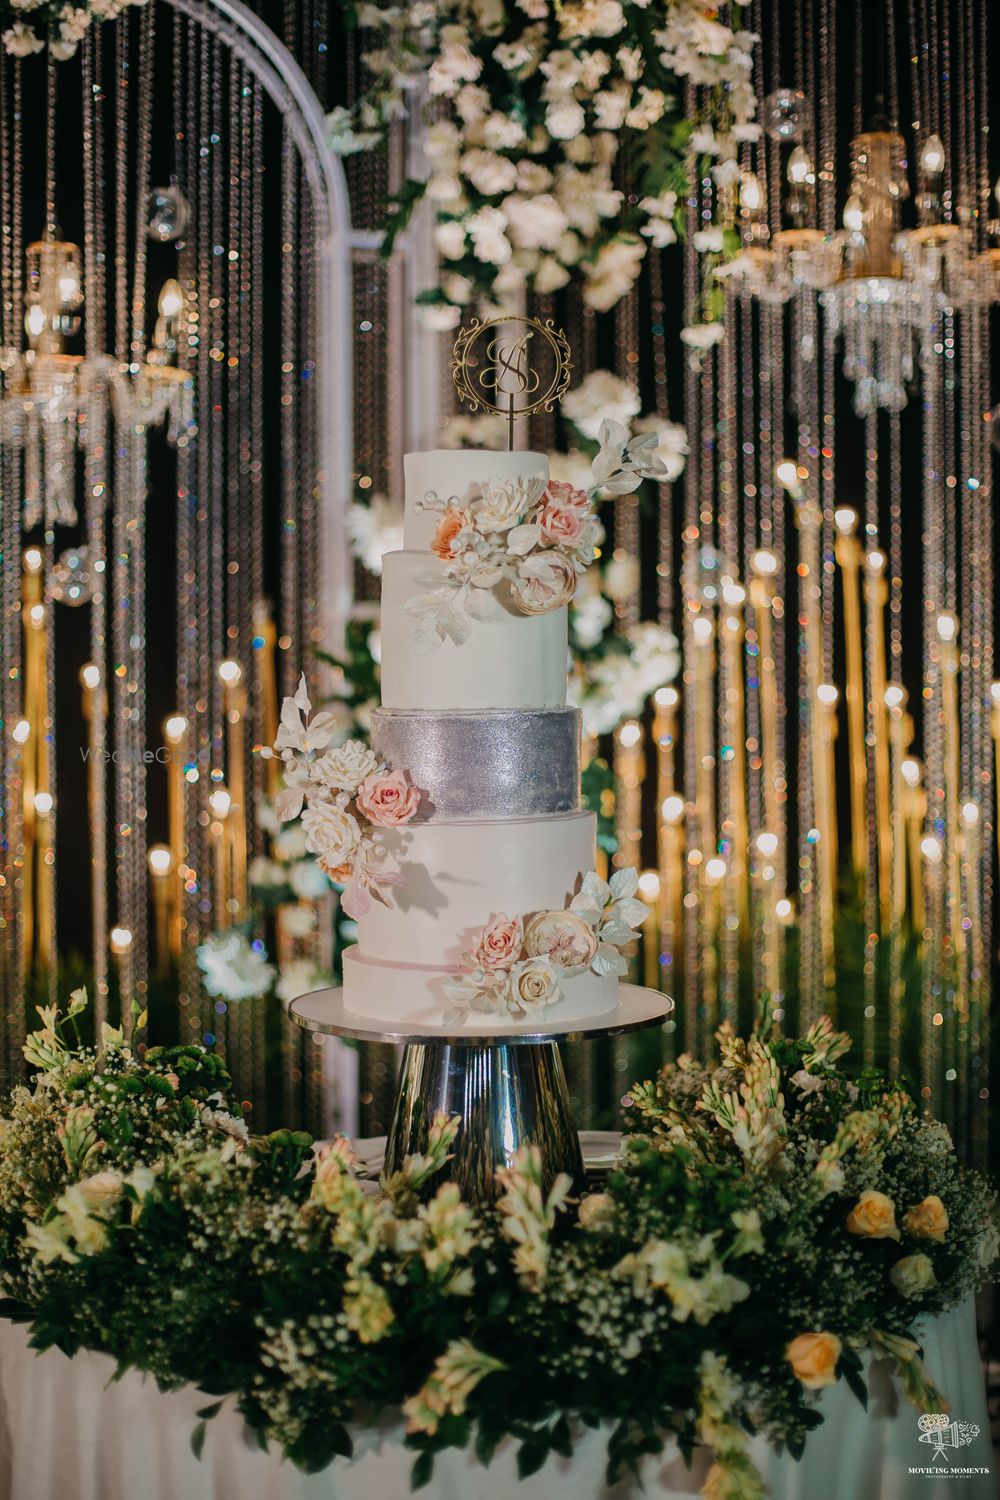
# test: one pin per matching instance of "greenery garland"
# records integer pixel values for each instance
(767, 1221)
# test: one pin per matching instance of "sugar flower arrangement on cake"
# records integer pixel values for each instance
(518, 964)
(531, 537)
(345, 795)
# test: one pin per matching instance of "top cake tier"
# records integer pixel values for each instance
(509, 660)
(453, 472)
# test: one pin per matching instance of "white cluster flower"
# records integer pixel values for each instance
(525, 193)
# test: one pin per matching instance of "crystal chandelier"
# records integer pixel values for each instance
(882, 287)
(50, 394)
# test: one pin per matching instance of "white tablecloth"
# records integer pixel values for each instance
(67, 1434)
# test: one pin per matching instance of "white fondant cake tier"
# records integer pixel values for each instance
(453, 473)
(458, 875)
(394, 993)
(508, 661)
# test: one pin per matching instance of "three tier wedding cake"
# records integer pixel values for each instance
(467, 859)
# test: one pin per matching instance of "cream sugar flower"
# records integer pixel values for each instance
(518, 967)
(345, 795)
(534, 536)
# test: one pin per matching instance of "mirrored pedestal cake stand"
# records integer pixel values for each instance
(508, 1088)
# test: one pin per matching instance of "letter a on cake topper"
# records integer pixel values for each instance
(494, 367)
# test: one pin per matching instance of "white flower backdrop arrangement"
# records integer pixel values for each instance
(28, 26)
(517, 965)
(530, 105)
(770, 1222)
(529, 537)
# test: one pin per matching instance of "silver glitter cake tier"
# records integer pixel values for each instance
(499, 763)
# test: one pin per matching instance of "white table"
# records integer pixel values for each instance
(67, 1434)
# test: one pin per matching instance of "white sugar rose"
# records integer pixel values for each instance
(562, 937)
(534, 983)
(345, 768)
(545, 581)
(331, 833)
(501, 505)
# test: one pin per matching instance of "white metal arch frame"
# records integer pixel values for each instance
(271, 63)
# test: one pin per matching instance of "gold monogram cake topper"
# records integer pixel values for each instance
(496, 369)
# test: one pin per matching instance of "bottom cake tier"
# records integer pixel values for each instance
(405, 994)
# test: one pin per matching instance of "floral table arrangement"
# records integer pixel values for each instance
(767, 1222)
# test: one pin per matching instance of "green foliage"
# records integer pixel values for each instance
(664, 1305)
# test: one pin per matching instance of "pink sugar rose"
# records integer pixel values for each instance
(499, 942)
(387, 799)
(561, 528)
(565, 496)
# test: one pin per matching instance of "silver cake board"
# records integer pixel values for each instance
(508, 1087)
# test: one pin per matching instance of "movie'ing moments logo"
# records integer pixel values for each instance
(942, 1433)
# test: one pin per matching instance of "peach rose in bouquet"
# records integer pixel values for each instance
(928, 1220)
(387, 799)
(499, 942)
(873, 1216)
(813, 1358)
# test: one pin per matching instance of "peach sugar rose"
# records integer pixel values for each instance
(874, 1216)
(499, 942)
(928, 1221)
(813, 1358)
(449, 527)
(387, 798)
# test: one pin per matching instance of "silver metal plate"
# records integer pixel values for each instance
(324, 1010)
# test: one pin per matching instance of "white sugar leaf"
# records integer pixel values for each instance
(438, 582)
(644, 440)
(624, 483)
(322, 729)
(427, 638)
(633, 913)
(608, 961)
(301, 699)
(456, 625)
(624, 882)
(480, 604)
(594, 891)
(523, 538)
(612, 434)
(617, 934)
(288, 803)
